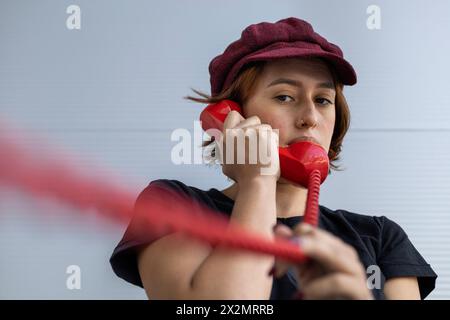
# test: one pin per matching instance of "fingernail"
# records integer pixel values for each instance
(306, 228)
(296, 239)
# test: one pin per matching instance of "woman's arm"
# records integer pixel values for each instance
(177, 267)
(236, 274)
(402, 288)
(183, 269)
(335, 271)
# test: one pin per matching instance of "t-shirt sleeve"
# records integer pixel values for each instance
(399, 258)
(162, 195)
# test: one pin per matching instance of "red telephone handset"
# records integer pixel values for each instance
(304, 162)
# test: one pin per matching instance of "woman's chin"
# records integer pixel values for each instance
(282, 180)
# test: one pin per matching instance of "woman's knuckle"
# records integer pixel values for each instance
(325, 249)
(305, 229)
(256, 118)
(339, 281)
(351, 252)
(234, 133)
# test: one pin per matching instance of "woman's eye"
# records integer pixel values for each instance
(324, 101)
(283, 95)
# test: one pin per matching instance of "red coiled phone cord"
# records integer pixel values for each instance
(53, 177)
(312, 203)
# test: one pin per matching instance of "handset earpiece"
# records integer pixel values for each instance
(214, 115)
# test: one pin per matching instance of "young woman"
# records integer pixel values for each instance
(286, 77)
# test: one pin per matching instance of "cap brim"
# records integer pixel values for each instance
(344, 69)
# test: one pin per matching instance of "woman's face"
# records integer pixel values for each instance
(291, 90)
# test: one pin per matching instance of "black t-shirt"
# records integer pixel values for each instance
(378, 241)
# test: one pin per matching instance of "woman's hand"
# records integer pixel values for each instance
(261, 148)
(334, 270)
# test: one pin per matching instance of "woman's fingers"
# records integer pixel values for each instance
(281, 230)
(302, 229)
(233, 119)
(335, 286)
(309, 271)
(329, 251)
(281, 266)
(331, 286)
(260, 143)
(251, 121)
(333, 271)
(304, 271)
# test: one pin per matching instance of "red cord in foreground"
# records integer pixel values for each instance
(51, 176)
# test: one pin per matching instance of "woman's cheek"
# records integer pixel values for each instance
(329, 128)
(269, 116)
(281, 127)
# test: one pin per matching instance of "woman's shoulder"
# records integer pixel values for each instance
(168, 184)
(166, 195)
(383, 242)
(364, 223)
(376, 234)
(172, 186)
(211, 197)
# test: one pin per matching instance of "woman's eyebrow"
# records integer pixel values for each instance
(295, 83)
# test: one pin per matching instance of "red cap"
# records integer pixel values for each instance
(290, 37)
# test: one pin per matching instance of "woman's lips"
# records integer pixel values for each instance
(304, 138)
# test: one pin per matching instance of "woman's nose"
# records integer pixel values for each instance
(306, 117)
